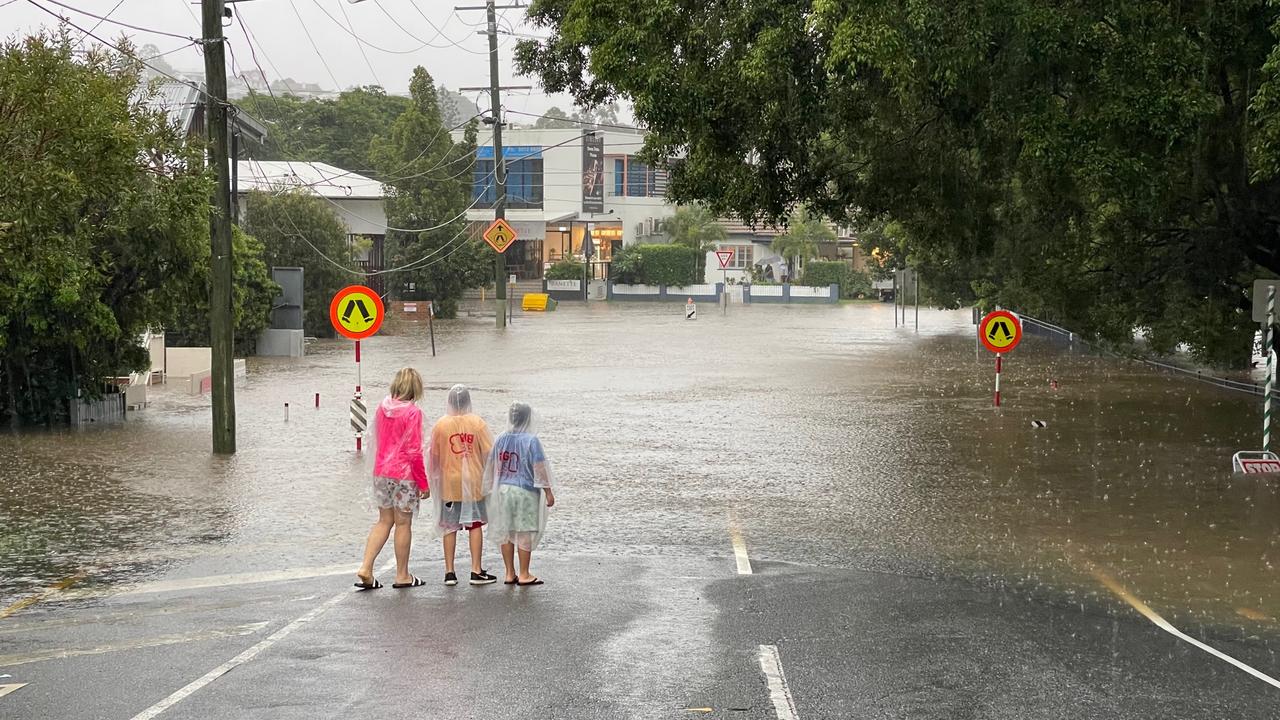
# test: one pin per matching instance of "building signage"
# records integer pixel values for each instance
(564, 285)
(592, 174)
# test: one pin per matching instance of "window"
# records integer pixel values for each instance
(632, 178)
(524, 183)
(743, 255)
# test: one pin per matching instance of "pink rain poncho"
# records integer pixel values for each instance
(397, 442)
(516, 475)
(460, 441)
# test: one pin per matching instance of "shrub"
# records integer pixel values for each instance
(821, 273)
(671, 265)
(566, 270)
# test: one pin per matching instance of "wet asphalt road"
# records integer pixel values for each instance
(914, 553)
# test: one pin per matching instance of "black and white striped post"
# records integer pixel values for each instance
(359, 413)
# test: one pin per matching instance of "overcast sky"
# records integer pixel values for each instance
(451, 50)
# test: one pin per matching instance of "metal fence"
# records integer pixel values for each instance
(1040, 328)
(109, 408)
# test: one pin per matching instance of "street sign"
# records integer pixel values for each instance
(690, 310)
(359, 416)
(1000, 331)
(356, 312)
(725, 257)
(1248, 462)
(500, 235)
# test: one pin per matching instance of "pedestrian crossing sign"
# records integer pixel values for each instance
(356, 312)
(1000, 331)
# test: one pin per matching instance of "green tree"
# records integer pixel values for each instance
(800, 241)
(338, 131)
(428, 199)
(101, 204)
(253, 293)
(301, 230)
(1106, 165)
(696, 228)
(555, 119)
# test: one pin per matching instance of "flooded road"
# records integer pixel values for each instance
(825, 435)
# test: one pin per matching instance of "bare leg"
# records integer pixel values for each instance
(477, 549)
(526, 556)
(450, 549)
(509, 561)
(404, 540)
(377, 538)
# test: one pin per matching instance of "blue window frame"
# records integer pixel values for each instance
(619, 176)
(524, 177)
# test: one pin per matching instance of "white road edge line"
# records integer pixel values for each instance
(779, 691)
(11, 687)
(739, 547)
(247, 655)
(1166, 626)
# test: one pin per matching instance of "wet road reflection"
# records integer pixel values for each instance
(833, 437)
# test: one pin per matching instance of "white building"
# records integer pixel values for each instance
(561, 182)
(358, 201)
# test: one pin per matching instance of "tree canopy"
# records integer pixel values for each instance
(101, 204)
(430, 181)
(1107, 165)
(338, 131)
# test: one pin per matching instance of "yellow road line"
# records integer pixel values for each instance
(1165, 625)
(739, 546)
(50, 591)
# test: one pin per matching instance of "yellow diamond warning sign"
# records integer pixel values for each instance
(500, 235)
(356, 312)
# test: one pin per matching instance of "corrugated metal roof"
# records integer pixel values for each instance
(177, 100)
(319, 178)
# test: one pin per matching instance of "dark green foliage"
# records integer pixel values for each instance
(671, 265)
(102, 206)
(430, 185)
(252, 292)
(298, 230)
(821, 273)
(566, 270)
(1105, 165)
(338, 131)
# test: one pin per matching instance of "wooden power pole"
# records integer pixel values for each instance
(222, 373)
(499, 167)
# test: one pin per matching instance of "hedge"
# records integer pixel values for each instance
(670, 265)
(820, 273)
(566, 270)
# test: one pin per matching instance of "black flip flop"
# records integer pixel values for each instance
(535, 581)
(417, 582)
(510, 582)
(375, 585)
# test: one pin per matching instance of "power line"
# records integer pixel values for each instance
(110, 12)
(359, 39)
(439, 31)
(106, 18)
(343, 7)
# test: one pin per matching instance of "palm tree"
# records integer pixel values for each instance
(695, 227)
(800, 241)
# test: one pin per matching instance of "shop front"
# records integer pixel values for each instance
(565, 241)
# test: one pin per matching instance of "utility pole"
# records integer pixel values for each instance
(220, 263)
(499, 165)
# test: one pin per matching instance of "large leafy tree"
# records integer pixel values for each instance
(1108, 164)
(429, 178)
(302, 230)
(336, 131)
(102, 204)
(252, 295)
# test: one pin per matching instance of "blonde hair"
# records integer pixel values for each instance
(407, 385)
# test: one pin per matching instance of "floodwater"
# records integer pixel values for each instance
(827, 435)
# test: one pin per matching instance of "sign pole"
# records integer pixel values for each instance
(999, 364)
(724, 290)
(359, 381)
(431, 325)
(1268, 339)
(916, 296)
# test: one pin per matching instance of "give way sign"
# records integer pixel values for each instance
(725, 257)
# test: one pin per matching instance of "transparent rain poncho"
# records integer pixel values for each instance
(460, 442)
(516, 475)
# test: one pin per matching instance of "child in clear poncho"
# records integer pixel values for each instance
(518, 479)
(460, 441)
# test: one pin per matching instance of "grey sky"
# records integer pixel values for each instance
(451, 51)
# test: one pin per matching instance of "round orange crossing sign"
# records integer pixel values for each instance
(1000, 331)
(356, 312)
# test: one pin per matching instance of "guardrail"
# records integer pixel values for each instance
(1049, 329)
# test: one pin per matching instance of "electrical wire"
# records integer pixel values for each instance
(359, 44)
(106, 18)
(130, 54)
(110, 12)
(359, 39)
(439, 31)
